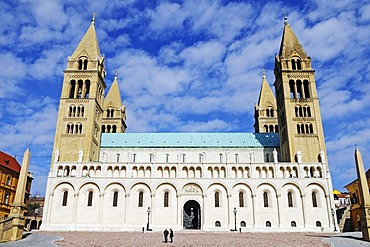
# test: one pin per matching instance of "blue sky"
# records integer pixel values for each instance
(184, 66)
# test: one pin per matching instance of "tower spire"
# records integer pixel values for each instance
(265, 110)
(89, 44)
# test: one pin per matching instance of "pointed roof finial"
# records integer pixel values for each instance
(263, 73)
(285, 17)
(116, 75)
(93, 18)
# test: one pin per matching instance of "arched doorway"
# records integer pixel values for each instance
(191, 215)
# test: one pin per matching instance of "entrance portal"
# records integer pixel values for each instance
(191, 219)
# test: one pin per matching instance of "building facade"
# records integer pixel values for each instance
(9, 174)
(102, 178)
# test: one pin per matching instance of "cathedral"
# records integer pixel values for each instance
(103, 179)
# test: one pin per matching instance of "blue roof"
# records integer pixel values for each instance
(191, 140)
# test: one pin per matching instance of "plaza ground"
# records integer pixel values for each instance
(191, 238)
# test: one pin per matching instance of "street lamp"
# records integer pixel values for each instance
(36, 212)
(333, 215)
(147, 225)
(235, 211)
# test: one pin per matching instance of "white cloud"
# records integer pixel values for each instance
(12, 70)
(203, 54)
(211, 125)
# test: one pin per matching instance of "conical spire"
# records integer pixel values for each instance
(290, 43)
(266, 94)
(89, 43)
(114, 95)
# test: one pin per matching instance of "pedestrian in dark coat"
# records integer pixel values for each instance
(165, 233)
(171, 235)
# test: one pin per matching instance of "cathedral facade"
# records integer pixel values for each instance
(103, 179)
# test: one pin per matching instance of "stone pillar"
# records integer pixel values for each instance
(364, 198)
(18, 206)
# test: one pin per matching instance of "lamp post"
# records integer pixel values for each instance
(333, 215)
(36, 212)
(147, 225)
(235, 211)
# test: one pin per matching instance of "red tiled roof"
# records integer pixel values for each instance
(9, 162)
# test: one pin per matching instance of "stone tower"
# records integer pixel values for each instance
(301, 132)
(265, 112)
(78, 130)
(114, 116)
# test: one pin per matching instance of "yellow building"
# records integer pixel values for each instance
(355, 199)
(9, 174)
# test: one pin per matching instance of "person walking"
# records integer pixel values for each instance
(165, 233)
(171, 235)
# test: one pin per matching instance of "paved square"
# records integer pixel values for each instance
(191, 238)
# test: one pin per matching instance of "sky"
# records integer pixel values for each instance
(184, 66)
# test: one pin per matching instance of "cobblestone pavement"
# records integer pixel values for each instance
(187, 238)
(195, 238)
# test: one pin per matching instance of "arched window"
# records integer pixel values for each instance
(306, 89)
(89, 199)
(133, 158)
(80, 64)
(290, 199)
(311, 128)
(236, 158)
(300, 111)
(296, 111)
(217, 199)
(72, 88)
(292, 89)
(65, 197)
(115, 199)
(200, 158)
(165, 203)
(243, 224)
(85, 64)
(266, 128)
(276, 128)
(299, 66)
(141, 197)
(293, 224)
(293, 65)
(265, 199)
(308, 111)
(217, 224)
(268, 224)
(117, 157)
(167, 158)
(314, 199)
(103, 128)
(87, 92)
(221, 158)
(183, 158)
(114, 129)
(318, 223)
(299, 88)
(241, 199)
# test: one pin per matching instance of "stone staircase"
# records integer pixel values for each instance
(344, 216)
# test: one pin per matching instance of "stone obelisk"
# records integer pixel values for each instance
(364, 197)
(18, 207)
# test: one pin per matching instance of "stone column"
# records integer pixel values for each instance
(364, 198)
